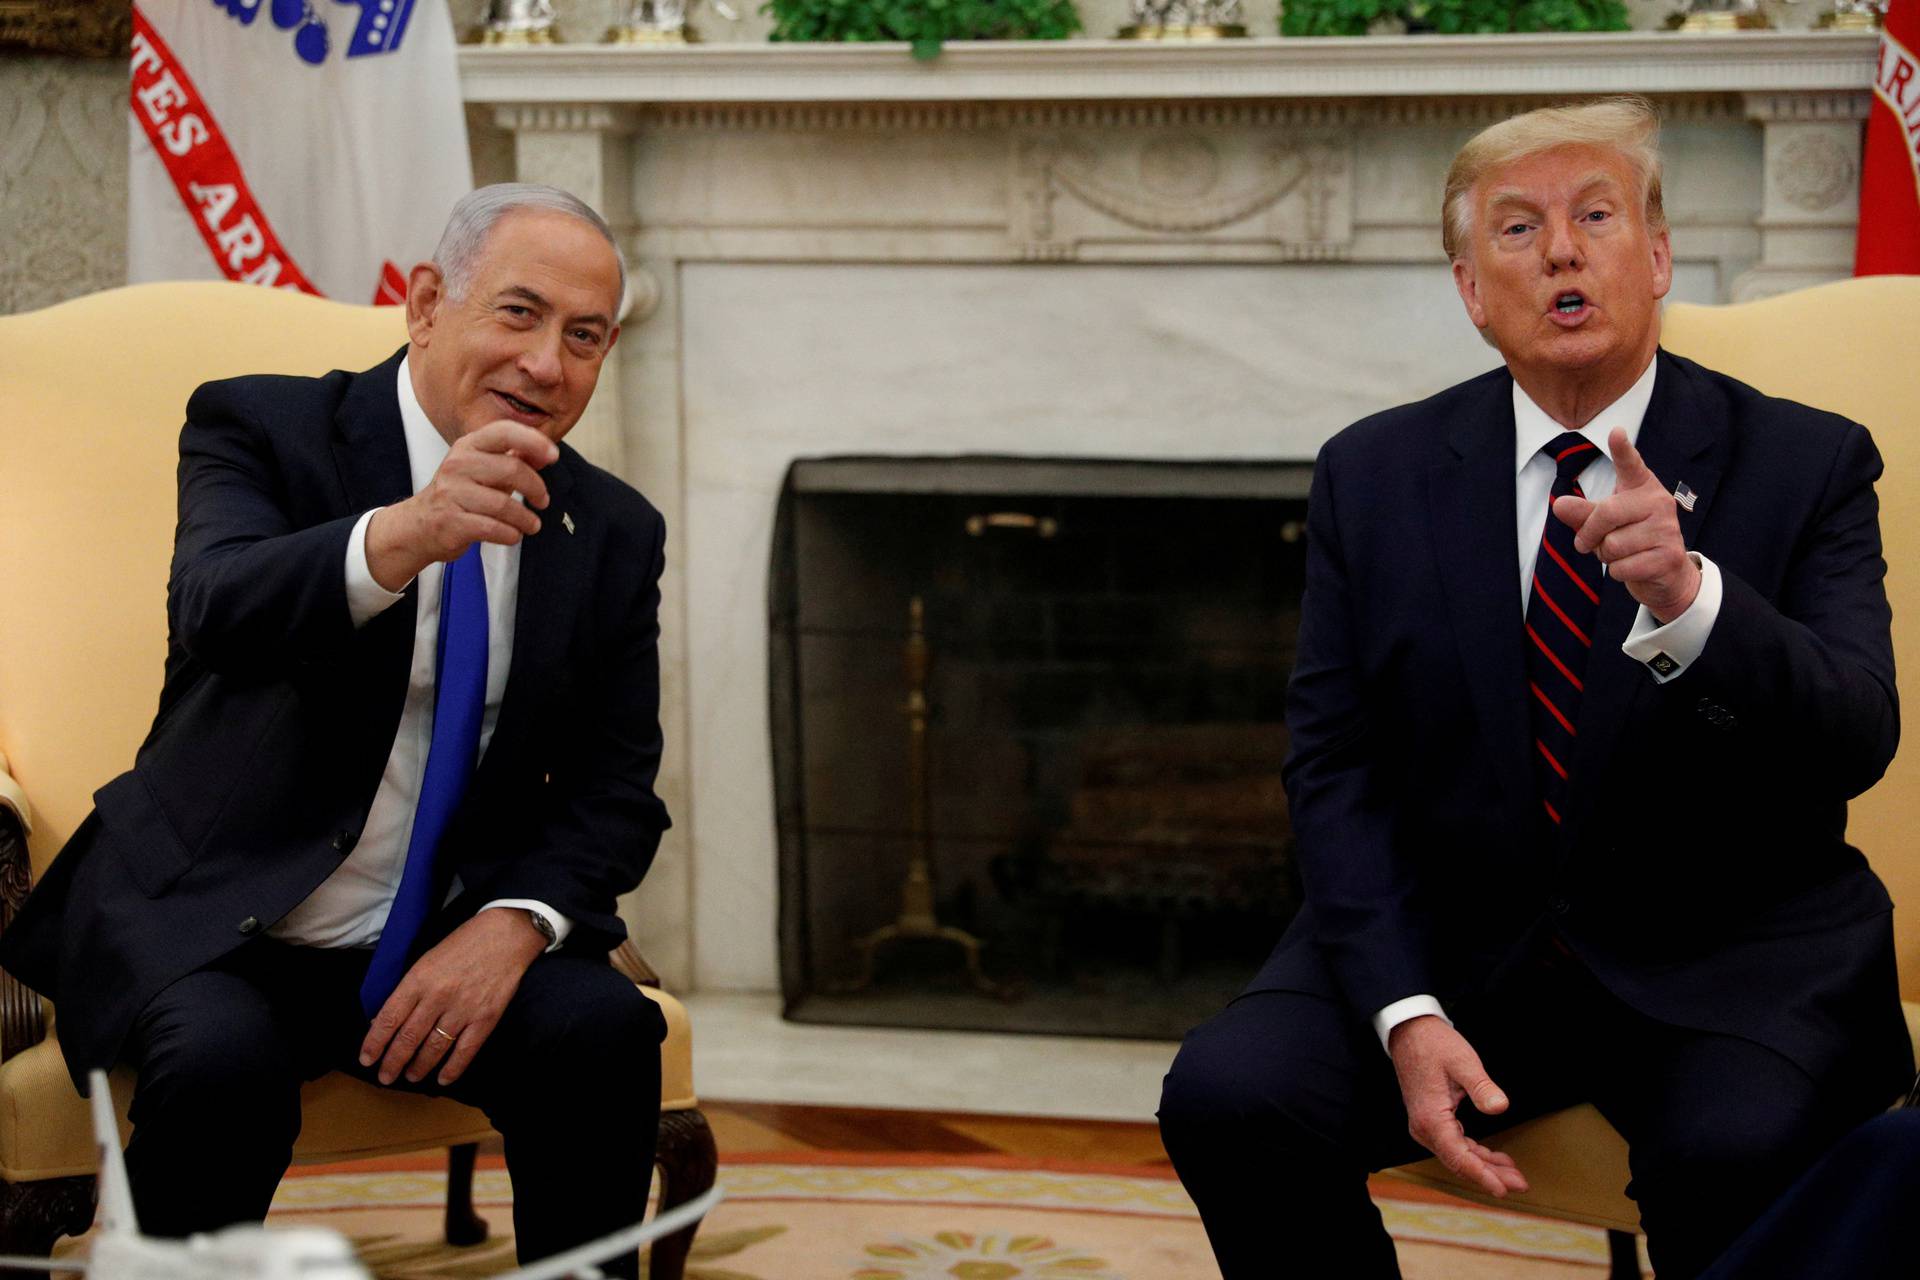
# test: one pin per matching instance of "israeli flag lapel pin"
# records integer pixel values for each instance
(1685, 496)
(566, 517)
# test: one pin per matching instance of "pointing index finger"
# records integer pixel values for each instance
(1630, 469)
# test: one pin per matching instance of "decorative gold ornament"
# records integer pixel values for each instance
(653, 22)
(519, 23)
(1176, 20)
(1231, 31)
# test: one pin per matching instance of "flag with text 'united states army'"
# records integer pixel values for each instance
(301, 144)
(1890, 179)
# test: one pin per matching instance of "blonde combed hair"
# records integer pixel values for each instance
(1627, 125)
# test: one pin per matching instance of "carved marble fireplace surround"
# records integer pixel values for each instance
(1083, 249)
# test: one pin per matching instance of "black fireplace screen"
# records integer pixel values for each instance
(1027, 735)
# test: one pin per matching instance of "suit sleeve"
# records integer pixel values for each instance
(1807, 678)
(1359, 886)
(249, 593)
(599, 822)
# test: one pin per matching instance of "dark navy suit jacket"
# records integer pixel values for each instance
(1702, 873)
(277, 715)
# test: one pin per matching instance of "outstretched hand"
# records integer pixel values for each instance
(1636, 534)
(1437, 1070)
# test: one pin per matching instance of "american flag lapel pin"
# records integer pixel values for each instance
(1685, 496)
(566, 517)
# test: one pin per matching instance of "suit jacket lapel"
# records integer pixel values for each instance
(553, 576)
(1472, 497)
(370, 452)
(369, 444)
(1682, 440)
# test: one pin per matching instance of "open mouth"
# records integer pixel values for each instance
(518, 405)
(1571, 303)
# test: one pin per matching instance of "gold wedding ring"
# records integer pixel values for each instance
(441, 1031)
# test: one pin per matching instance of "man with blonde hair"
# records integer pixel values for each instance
(1593, 653)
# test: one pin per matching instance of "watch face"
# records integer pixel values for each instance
(544, 925)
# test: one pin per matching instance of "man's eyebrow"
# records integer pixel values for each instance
(521, 291)
(525, 294)
(1510, 196)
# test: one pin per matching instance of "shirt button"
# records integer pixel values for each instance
(1559, 905)
(250, 926)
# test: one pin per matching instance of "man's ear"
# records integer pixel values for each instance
(1468, 284)
(426, 290)
(1662, 265)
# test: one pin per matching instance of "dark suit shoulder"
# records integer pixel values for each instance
(1422, 423)
(271, 394)
(1786, 428)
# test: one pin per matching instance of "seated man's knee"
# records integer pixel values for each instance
(583, 1021)
(1222, 1083)
(214, 1049)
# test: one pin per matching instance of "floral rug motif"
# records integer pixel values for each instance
(856, 1216)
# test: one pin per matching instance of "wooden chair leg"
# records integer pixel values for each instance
(688, 1162)
(463, 1226)
(34, 1215)
(1623, 1249)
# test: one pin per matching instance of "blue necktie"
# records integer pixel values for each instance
(460, 694)
(1563, 601)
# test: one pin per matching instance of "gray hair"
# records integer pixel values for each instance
(475, 214)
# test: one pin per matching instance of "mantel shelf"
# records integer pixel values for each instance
(1262, 67)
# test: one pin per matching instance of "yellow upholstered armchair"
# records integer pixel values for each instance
(1846, 347)
(95, 393)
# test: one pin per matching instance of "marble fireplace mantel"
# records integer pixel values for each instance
(1129, 70)
(1088, 248)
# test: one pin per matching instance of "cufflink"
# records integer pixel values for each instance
(1662, 664)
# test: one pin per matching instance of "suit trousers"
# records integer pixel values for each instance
(570, 1077)
(1850, 1215)
(1276, 1110)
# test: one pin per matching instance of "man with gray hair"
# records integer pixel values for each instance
(403, 763)
(1593, 652)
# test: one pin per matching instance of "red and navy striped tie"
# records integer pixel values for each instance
(1561, 603)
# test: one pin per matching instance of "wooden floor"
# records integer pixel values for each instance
(741, 1128)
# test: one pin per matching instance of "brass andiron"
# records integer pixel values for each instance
(917, 919)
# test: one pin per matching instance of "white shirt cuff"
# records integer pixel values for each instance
(365, 597)
(1667, 651)
(561, 925)
(1405, 1010)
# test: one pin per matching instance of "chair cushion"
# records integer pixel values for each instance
(45, 1130)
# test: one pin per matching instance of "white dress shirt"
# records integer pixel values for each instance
(1681, 640)
(350, 907)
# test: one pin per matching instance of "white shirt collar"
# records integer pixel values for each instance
(426, 449)
(1533, 429)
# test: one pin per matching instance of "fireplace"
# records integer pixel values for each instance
(1027, 721)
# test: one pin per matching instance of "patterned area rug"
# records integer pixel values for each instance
(841, 1216)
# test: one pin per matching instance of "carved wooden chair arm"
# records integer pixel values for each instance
(22, 1019)
(627, 959)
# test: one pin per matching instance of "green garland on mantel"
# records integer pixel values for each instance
(925, 24)
(1450, 17)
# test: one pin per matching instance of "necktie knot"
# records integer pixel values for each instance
(1571, 453)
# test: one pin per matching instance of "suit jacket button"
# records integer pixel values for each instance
(250, 926)
(1559, 905)
(342, 841)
